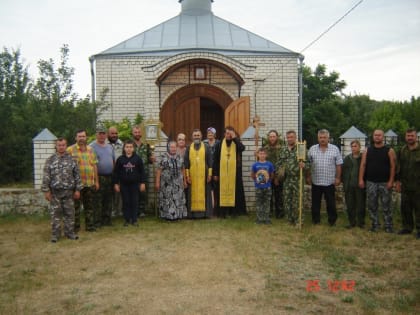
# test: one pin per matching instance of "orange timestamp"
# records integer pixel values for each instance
(332, 285)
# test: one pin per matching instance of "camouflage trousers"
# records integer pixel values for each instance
(375, 191)
(62, 205)
(262, 201)
(276, 201)
(102, 202)
(86, 198)
(291, 199)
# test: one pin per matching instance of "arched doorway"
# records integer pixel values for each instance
(194, 106)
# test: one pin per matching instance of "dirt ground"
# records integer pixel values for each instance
(227, 266)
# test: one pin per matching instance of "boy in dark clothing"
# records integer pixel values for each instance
(128, 177)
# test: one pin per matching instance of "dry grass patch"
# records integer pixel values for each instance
(227, 266)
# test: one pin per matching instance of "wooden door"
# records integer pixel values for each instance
(187, 117)
(237, 114)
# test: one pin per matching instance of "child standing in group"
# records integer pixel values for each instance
(129, 178)
(262, 172)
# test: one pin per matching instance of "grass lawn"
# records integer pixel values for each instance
(230, 266)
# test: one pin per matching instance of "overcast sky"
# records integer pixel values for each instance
(376, 48)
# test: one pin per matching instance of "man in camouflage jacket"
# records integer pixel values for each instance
(289, 167)
(273, 152)
(61, 183)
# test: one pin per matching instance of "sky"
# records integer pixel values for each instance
(375, 48)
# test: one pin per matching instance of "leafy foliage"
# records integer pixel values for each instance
(27, 106)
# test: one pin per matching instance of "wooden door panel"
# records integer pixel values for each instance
(187, 117)
(237, 114)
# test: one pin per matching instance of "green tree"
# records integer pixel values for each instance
(320, 103)
(14, 95)
(389, 116)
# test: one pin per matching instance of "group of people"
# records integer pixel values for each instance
(368, 177)
(204, 179)
(201, 180)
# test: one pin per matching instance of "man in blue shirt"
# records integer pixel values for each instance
(103, 197)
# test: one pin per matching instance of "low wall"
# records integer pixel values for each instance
(32, 201)
(22, 201)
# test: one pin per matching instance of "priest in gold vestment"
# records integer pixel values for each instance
(227, 173)
(198, 172)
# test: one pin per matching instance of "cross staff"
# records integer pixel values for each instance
(301, 157)
(256, 123)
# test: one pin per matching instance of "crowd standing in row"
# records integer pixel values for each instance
(204, 180)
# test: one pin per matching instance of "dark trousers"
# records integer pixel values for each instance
(276, 201)
(329, 195)
(356, 205)
(130, 197)
(410, 204)
(103, 201)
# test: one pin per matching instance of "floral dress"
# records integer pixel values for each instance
(171, 194)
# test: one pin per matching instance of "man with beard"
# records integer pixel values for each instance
(145, 153)
(227, 173)
(290, 166)
(117, 146)
(86, 159)
(408, 182)
(376, 174)
(273, 151)
(198, 171)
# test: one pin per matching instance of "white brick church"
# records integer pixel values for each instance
(197, 70)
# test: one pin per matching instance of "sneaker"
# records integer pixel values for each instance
(389, 230)
(125, 223)
(135, 224)
(142, 215)
(54, 239)
(404, 231)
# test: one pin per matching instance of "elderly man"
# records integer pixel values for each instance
(198, 171)
(377, 168)
(106, 160)
(60, 184)
(326, 161)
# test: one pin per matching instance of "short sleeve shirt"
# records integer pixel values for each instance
(262, 173)
(323, 164)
